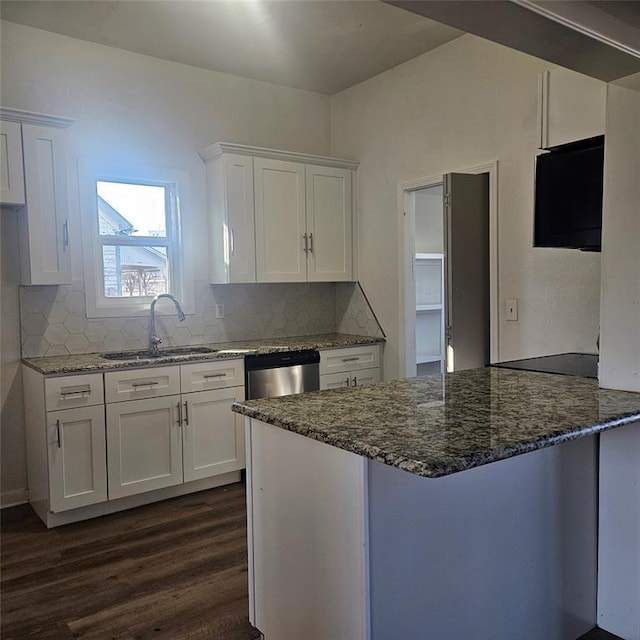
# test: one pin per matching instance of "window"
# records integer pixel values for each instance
(132, 240)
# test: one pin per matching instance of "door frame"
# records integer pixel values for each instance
(406, 264)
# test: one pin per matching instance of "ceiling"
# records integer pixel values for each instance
(317, 45)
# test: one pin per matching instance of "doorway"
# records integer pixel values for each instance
(449, 268)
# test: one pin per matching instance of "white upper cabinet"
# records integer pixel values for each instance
(571, 107)
(37, 144)
(11, 172)
(232, 232)
(278, 216)
(329, 224)
(280, 220)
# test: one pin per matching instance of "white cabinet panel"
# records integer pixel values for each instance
(11, 168)
(213, 374)
(230, 202)
(77, 458)
(349, 359)
(365, 377)
(329, 224)
(69, 392)
(280, 220)
(144, 445)
(213, 436)
(571, 107)
(358, 378)
(44, 233)
(141, 383)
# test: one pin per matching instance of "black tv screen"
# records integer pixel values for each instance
(568, 196)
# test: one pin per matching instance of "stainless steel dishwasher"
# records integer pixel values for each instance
(281, 374)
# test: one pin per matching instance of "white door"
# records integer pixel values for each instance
(144, 445)
(238, 176)
(280, 221)
(329, 224)
(365, 377)
(467, 316)
(77, 458)
(44, 233)
(335, 380)
(213, 436)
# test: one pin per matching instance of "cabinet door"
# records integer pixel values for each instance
(571, 106)
(11, 171)
(329, 224)
(77, 458)
(44, 233)
(365, 377)
(213, 436)
(144, 445)
(232, 227)
(280, 221)
(335, 380)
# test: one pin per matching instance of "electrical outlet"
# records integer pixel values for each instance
(219, 311)
(511, 309)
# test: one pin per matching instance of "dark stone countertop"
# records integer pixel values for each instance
(439, 425)
(95, 362)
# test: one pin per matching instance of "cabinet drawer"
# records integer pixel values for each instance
(214, 374)
(349, 359)
(70, 392)
(141, 383)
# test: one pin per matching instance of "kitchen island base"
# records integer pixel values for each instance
(342, 547)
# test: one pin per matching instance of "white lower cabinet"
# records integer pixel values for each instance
(76, 457)
(144, 445)
(163, 432)
(350, 367)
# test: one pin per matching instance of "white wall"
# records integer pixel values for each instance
(464, 104)
(137, 109)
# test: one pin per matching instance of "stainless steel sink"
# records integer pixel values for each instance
(145, 354)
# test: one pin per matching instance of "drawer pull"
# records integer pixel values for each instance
(351, 359)
(355, 381)
(214, 375)
(151, 383)
(346, 382)
(58, 433)
(78, 390)
(186, 413)
(179, 407)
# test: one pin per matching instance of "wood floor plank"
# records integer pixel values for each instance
(175, 570)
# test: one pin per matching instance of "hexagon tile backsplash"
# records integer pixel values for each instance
(54, 321)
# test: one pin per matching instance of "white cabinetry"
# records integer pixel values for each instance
(45, 256)
(158, 437)
(571, 107)
(350, 367)
(430, 325)
(66, 454)
(11, 170)
(278, 216)
(168, 431)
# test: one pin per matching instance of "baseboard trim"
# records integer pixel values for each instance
(13, 498)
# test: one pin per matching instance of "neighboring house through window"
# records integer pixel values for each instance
(132, 240)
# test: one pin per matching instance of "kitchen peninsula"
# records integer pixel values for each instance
(406, 510)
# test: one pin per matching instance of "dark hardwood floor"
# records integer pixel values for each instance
(175, 570)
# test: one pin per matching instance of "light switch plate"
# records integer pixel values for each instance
(511, 310)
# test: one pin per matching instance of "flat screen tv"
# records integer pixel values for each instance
(568, 196)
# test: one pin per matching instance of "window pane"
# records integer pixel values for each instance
(131, 209)
(132, 271)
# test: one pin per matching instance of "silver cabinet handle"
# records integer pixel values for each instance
(311, 243)
(65, 235)
(78, 390)
(150, 383)
(306, 242)
(179, 421)
(214, 375)
(186, 413)
(355, 381)
(58, 433)
(233, 242)
(350, 359)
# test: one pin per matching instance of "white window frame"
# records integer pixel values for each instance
(180, 267)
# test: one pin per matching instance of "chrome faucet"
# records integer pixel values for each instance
(154, 338)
